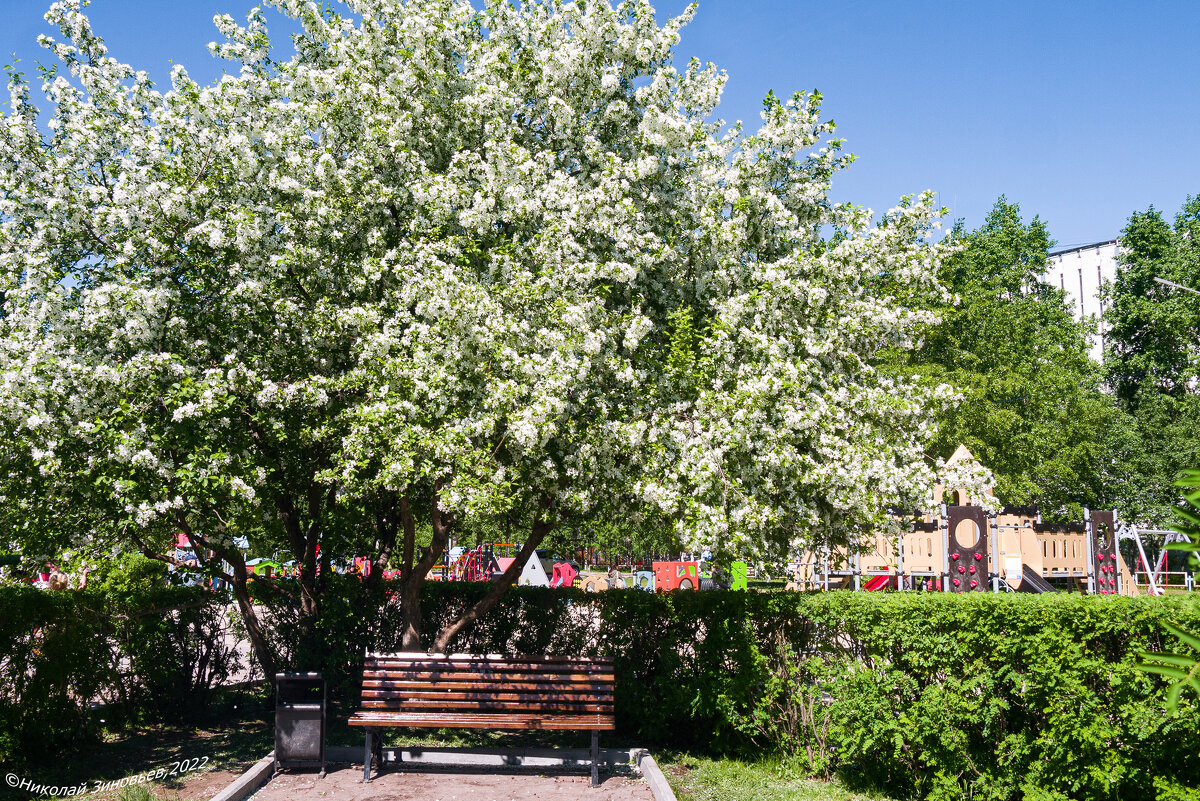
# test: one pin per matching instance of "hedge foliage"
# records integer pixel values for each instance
(149, 654)
(924, 695)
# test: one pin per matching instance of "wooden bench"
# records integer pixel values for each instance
(486, 692)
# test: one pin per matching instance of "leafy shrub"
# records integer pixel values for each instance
(148, 654)
(924, 695)
(128, 573)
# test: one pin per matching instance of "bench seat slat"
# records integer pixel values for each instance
(489, 704)
(375, 687)
(482, 720)
(442, 659)
(481, 694)
(487, 670)
(488, 675)
(544, 670)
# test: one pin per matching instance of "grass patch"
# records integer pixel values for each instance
(698, 778)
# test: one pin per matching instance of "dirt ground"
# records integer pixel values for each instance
(198, 786)
(345, 784)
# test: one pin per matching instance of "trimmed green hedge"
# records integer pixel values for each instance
(923, 695)
(151, 654)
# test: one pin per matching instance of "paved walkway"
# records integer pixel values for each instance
(408, 784)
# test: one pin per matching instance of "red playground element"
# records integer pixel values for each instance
(564, 575)
(477, 564)
(880, 582)
(676, 576)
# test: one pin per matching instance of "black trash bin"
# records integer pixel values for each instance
(299, 721)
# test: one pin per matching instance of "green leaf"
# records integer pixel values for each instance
(1173, 697)
(1171, 659)
(1185, 636)
(1163, 670)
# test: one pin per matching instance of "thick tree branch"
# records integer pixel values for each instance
(538, 531)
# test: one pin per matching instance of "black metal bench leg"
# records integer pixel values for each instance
(595, 758)
(367, 756)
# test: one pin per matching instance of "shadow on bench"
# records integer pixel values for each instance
(486, 692)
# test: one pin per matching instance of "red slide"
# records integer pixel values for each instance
(878, 583)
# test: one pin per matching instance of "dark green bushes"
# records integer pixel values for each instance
(145, 654)
(1002, 696)
(924, 695)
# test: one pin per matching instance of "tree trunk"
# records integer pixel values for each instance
(541, 527)
(386, 526)
(254, 628)
(238, 580)
(304, 542)
(410, 539)
(410, 590)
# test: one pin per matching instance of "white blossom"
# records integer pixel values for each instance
(382, 273)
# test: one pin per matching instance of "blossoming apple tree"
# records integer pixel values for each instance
(440, 264)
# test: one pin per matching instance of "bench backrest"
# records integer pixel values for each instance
(464, 687)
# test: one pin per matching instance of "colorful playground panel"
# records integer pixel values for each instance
(966, 549)
(676, 576)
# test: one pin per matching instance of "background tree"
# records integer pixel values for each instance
(1151, 350)
(1031, 407)
(442, 265)
(1154, 330)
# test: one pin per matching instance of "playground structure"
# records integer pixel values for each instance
(1152, 560)
(664, 576)
(477, 564)
(964, 548)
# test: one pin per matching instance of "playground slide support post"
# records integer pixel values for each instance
(1090, 543)
(944, 528)
(857, 564)
(1137, 537)
(994, 551)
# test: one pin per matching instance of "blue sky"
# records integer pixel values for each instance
(1081, 112)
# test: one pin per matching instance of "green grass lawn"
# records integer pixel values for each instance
(699, 778)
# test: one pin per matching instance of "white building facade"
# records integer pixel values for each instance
(1081, 272)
